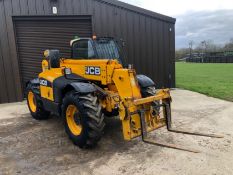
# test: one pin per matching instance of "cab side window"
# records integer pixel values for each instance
(83, 49)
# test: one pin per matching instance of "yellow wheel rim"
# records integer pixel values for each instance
(73, 120)
(32, 101)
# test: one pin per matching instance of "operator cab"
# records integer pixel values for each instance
(99, 48)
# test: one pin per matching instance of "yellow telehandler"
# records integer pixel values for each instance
(94, 84)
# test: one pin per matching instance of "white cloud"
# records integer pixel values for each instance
(189, 34)
(197, 20)
(178, 7)
(206, 25)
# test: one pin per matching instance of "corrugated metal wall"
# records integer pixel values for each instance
(149, 37)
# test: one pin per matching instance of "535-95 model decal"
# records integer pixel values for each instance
(91, 70)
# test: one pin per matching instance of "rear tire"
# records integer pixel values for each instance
(35, 105)
(84, 125)
(151, 91)
(148, 91)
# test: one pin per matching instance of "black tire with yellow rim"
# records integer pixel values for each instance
(151, 91)
(83, 119)
(35, 105)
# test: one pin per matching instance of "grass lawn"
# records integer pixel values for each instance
(214, 80)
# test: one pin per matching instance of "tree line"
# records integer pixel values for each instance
(203, 47)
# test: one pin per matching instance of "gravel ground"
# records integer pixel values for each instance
(28, 146)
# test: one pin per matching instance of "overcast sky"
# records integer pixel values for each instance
(197, 20)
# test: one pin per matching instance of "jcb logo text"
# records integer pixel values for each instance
(90, 70)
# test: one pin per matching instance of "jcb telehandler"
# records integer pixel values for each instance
(93, 84)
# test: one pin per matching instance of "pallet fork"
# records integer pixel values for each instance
(167, 115)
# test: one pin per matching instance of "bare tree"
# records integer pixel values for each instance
(191, 43)
(229, 45)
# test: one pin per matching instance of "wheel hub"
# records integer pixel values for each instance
(32, 101)
(73, 120)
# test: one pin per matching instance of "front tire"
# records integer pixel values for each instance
(84, 121)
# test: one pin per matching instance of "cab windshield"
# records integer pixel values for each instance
(103, 48)
(106, 49)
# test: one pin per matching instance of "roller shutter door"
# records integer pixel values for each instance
(34, 35)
